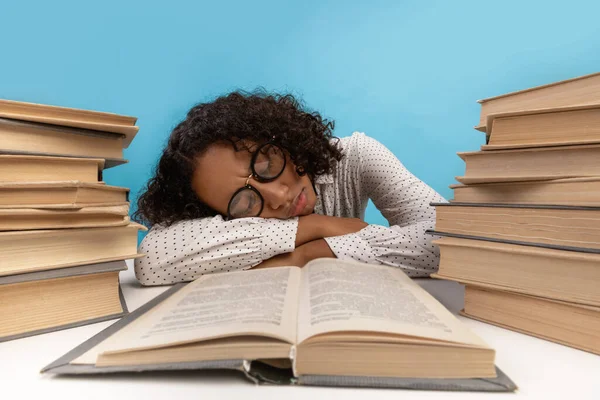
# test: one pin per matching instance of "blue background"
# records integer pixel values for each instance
(405, 72)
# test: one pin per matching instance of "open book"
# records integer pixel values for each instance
(330, 318)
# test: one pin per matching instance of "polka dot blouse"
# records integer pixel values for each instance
(188, 249)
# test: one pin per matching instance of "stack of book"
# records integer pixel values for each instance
(64, 234)
(523, 229)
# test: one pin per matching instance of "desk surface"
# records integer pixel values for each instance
(541, 369)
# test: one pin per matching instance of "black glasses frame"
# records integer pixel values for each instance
(257, 177)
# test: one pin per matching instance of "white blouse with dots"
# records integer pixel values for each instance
(188, 249)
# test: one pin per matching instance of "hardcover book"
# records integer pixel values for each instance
(568, 274)
(331, 323)
(37, 250)
(556, 126)
(545, 163)
(573, 325)
(72, 117)
(19, 137)
(40, 302)
(559, 226)
(27, 168)
(569, 191)
(580, 90)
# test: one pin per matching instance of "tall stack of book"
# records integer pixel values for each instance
(64, 234)
(523, 229)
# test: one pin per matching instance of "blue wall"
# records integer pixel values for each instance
(406, 72)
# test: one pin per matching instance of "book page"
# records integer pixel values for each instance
(338, 295)
(257, 302)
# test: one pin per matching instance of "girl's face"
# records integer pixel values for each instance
(221, 171)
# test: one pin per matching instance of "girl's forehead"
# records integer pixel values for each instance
(223, 157)
(227, 150)
(244, 145)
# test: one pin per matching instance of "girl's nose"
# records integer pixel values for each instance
(275, 194)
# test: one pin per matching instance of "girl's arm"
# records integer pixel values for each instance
(403, 200)
(300, 256)
(188, 249)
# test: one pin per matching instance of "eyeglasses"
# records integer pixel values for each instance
(267, 164)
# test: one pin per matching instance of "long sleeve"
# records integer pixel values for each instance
(402, 199)
(188, 249)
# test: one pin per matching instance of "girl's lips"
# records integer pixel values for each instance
(299, 203)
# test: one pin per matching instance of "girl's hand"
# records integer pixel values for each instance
(338, 226)
(315, 226)
(300, 256)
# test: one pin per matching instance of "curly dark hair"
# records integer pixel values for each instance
(238, 118)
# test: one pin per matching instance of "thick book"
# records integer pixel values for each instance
(60, 194)
(331, 322)
(557, 126)
(41, 302)
(569, 324)
(561, 226)
(71, 117)
(532, 164)
(566, 274)
(27, 168)
(569, 192)
(29, 251)
(18, 219)
(17, 137)
(580, 90)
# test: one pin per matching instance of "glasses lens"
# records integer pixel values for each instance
(269, 162)
(245, 203)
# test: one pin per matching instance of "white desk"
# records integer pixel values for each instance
(541, 369)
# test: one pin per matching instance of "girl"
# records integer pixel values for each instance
(255, 181)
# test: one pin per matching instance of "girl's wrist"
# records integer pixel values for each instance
(310, 227)
(312, 250)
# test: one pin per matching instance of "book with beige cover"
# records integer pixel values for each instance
(332, 318)
(18, 137)
(531, 164)
(568, 192)
(565, 275)
(544, 127)
(71, 117)
(27, 168)
(566, 323)
(576, 91)
(17, 219)
(40, 302)
(29, 251)
(553, 225)
(60, 194)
